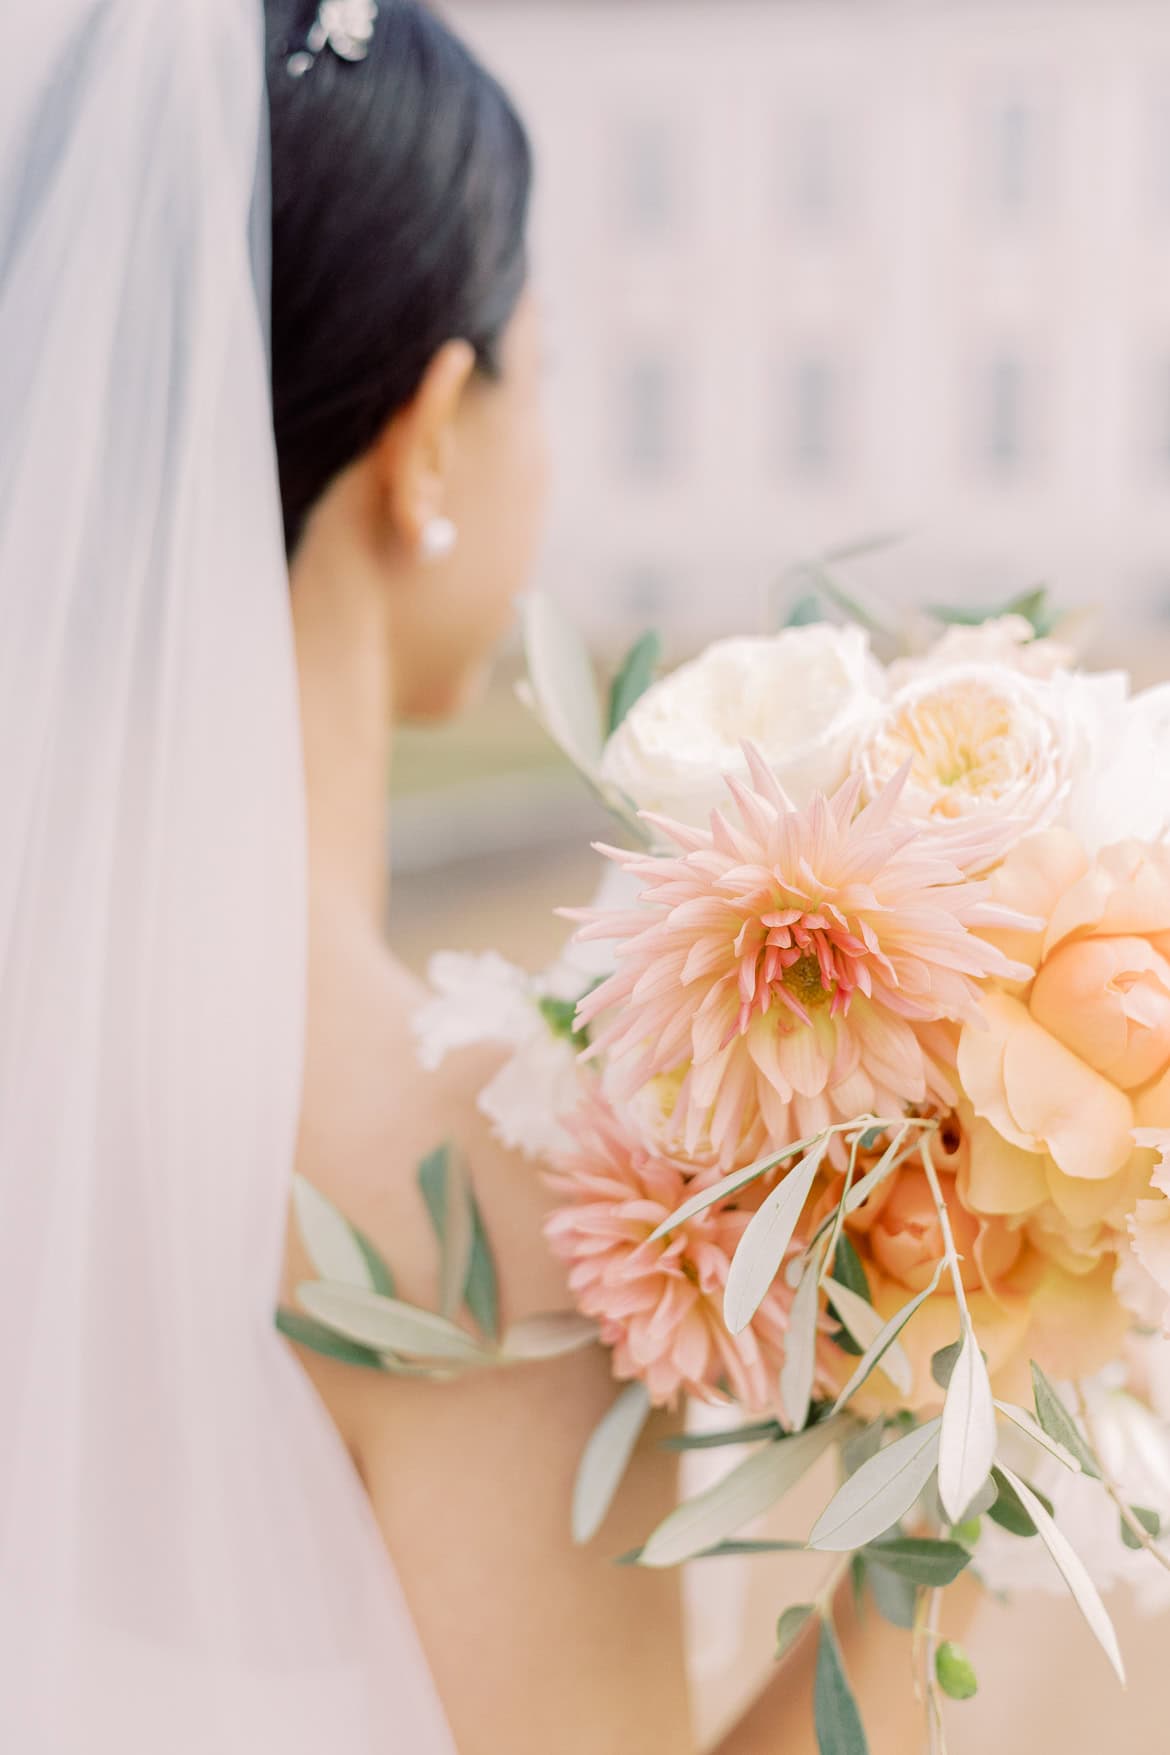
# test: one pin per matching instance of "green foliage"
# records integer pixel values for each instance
(738, 1498)
(874, 1500)
(319, 1339)
(942, 1364)
(480, 1289)
(860, 1446)
(847, 1267)
(838, 1722)
(381, 1278)
(731, 1184)
(967, 1449)
(1009, 1512)
(820, 594)
(716, 1440)
(760, 1252)
(791, 1625)
(633, 678)
(1059, 1423)
(895, 1597)
(559, 1015)
(606, 1458)
(1072, 1569)
(1032, 605)
(956, 1676)
(745, 1547)
(1150, 1521)
(806, 609)
(883, 1351)
(921, 1559)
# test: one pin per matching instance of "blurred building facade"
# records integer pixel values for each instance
(815, 269)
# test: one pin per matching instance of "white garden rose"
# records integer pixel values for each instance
(980, 744)
(1121, 783)
(804, 697)
(1007, 640)
(986, 744)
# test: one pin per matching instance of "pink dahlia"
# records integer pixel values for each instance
(792, 970)
(659, 1305)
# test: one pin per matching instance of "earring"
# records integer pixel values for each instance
(439, 537)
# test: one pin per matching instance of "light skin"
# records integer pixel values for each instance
(537, 1648)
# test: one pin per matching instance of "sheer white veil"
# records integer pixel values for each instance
(187, 1562)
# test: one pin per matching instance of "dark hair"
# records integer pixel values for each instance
(399, 203)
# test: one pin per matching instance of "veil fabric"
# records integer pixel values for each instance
(187, 1561)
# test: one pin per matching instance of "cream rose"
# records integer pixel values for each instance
(983, 745)
(996, 728)
(803, 697)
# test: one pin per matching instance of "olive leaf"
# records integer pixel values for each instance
(387, 1325)
(880, 1493)
(728, 1185)
(1059, 1423)
(800, 1349)
(838, 1721)
(634, 677)
(968, 1436)
(337, 1249)
(749, 1489)
(606, 1458)
(883, 1340)
(791, 1625)
(1072, 1570)
(764, 1243)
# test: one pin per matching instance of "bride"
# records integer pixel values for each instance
(201, 1550)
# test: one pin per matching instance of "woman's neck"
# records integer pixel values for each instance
(339, 609)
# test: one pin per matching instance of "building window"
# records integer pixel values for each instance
(1013, 150)
(647, 177)
(811, 404)
(813, 172)
(1006, 416)
(648, 418)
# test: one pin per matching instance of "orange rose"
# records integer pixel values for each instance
(1031, 1296)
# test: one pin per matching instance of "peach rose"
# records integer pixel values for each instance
(1147, 1274)
(1070, 1063)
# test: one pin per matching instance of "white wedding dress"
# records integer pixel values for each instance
(187, 1562)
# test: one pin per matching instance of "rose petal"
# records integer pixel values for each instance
(1032, 880)
(980, 1061)
(1081, 1201)
(1085, 1122)
(1077, 1326)
(1000, 1176)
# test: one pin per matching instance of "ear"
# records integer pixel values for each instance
(413, 455)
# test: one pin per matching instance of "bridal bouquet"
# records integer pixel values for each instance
(853, 1094)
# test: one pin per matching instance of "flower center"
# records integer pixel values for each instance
(804, 981)
(801, 959)
(965, 744)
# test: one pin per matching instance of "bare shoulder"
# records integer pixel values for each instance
(472, 1480)
(371, 1114)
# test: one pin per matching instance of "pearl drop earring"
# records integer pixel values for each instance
(439, 537)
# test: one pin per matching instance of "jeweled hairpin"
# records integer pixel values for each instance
(345, 26)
